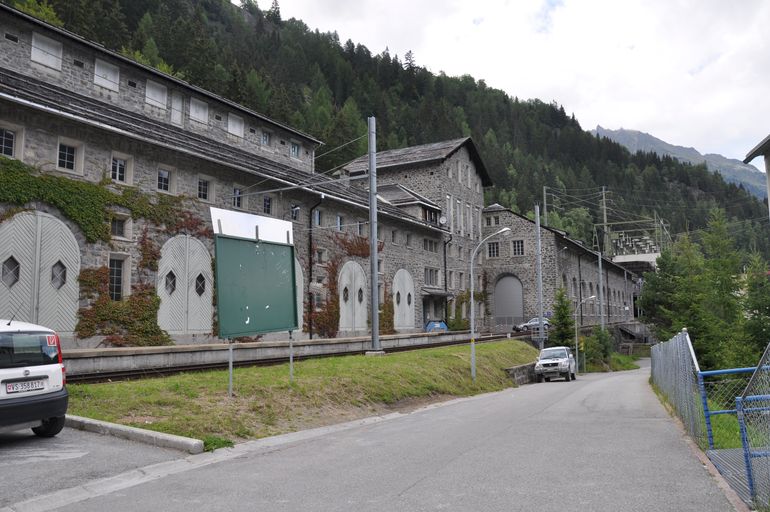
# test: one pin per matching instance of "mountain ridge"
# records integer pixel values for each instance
(732, 170)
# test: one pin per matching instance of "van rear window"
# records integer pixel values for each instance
(27, 349)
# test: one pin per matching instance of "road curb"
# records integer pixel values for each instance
(160, 439)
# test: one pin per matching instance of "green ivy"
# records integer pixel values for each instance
(86, 204)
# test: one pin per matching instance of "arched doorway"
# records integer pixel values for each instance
(403, 300)
(353, 299)
(509, 303)
(40, 262)
(185, 286)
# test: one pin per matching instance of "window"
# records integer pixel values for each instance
(461, 280)
(469, 219)
(58, 275)
(122, 168)
(431, 276)
(408, 239)
(267, 205)
(460, 252)
(379, 232)
(46, 51)
(393, 236)
(517, 248)
(295, 212)
(451, 279)
(176, 108)
(489, 221)
(200, 285)
(294, 150)
(450, 212)
(320, 256)
(235, 125)
(265, 138)
(380, 267)
(199, 111)
(459, 172)
(7, 142)
(468, 172)
(66, 158)
(340, 222)
(361, 225)
(155, 95)
(317, 217)
(497, 221)
(203, 189)
(493, 249)
(164, 180)
(459, 217)
(12, 37)
(106, 75)
(429, 245)
(118, 227)
(11, 271)
(170, 283)
(238, 199)
(116, 278)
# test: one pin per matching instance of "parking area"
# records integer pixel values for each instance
(33, 466)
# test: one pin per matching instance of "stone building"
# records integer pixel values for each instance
(108, 169)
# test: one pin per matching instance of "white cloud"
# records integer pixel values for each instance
(691, 72)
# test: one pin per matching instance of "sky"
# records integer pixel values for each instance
(694, 73)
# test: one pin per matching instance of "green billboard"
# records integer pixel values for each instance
(256, 291)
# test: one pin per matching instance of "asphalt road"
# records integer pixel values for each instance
(601, 443)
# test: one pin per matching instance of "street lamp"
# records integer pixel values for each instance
(473, 304)
(577, 354)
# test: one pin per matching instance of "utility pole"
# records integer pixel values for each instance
(601, 292)
(545, 205)
(375, 295)
(605, 233)
(540, 330)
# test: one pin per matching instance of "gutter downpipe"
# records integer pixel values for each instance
(446, 289)
(311, 263)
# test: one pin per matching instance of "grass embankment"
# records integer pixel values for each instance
(324, 391)
(618, 362)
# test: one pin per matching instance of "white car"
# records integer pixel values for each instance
(555, 362)
(33, 391)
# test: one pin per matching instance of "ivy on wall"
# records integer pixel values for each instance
(129, 322)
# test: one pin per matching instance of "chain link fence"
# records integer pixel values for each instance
(753, 407)
(675, 373)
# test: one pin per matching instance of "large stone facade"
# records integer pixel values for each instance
(69, 108)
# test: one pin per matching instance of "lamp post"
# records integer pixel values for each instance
(577, 354)
(473, 304)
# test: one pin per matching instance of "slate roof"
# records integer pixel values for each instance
(39, 95)
(421, 155)
(117, 56)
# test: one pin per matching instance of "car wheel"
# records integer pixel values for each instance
(50, 427)
(574, 377)
(539, 379)
(548, 379)
(567, 376)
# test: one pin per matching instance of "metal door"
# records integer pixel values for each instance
(185, 286)
(403, 300)
(353, 304)
(40, 264)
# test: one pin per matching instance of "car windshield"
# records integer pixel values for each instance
(553, 353)
(27, 349)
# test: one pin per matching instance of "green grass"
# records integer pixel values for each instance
(324, 391)
(618, 362)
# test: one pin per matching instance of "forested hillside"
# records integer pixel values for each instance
(327, 88)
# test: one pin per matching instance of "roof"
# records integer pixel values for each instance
(100, 48)
(422, 155)
(399, 195)
(763, 148)
(43, 96)
(495, 208)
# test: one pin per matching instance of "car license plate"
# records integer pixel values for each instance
(27, 385)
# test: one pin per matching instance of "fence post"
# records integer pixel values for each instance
(746, 447)
(706, 410)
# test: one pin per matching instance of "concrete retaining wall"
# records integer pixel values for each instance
(93, 362)
(522, 374)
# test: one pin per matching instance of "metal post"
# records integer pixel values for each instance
(540, 333)
(230, 369)
(601, 293)
(706, 410)
(473, 302)
(373, 234)
(746, 447)
(291, 357)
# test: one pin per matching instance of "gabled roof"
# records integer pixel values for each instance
(763, 148)
(421, 155)
(115, 55)
(399, 195)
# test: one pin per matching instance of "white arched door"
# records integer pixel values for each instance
(403, 300)
(509, 303)
(353, 303)
(40, 262)
(185, 286)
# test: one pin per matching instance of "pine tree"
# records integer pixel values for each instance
(562, 322)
